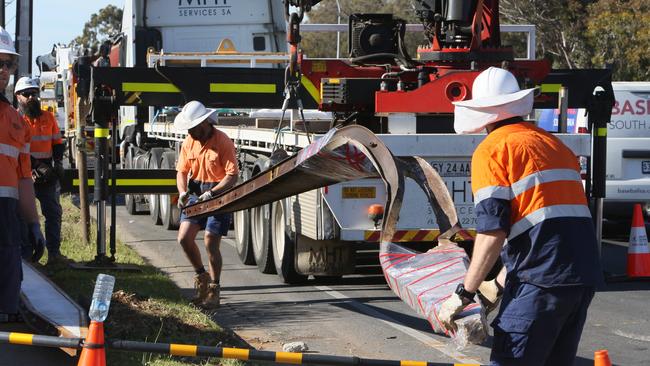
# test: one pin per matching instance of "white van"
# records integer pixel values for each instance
(628, 150)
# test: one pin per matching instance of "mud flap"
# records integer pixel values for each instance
(323, 257)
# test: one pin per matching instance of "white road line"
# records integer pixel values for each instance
(426, 339)
(637, 337)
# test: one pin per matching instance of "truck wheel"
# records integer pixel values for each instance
(139, 160)
(169, 212)
(242, 224)
(154, 199)
(261, 238)
(243, 236)
(129, 201)
(284, 245)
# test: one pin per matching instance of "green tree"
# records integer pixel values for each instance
(101, 26)
(560, 26)
(618, 32)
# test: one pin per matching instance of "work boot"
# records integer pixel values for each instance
(57, 259)
(212, 300)
(201, 282)
(490, 294)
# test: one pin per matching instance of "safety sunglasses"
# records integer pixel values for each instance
(29, 94)
(9, 64)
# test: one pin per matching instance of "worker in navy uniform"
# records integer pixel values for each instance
(531, 209)
(46, 149)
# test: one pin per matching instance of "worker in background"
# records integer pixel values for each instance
(532, 210)
(46, 150)
(16, 189)
(104, 51)
(206, 166)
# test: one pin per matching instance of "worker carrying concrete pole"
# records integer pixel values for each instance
(46, 149)
(206, 166)
(16, 189)
(532, 210)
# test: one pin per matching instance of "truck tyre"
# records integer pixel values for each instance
(170, 214)
(284, 245)
(155, 155)
(242, 224)
(140, 161)
(129, 201)
(261, 238)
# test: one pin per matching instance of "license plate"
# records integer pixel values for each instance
(452, 168)
(645, 167)
(358, 192)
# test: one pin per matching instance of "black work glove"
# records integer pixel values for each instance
(42, 172)
(37, 240)
(59, 171)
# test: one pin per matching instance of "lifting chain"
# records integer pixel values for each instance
(292, 74)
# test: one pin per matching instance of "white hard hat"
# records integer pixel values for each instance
(192, 114)
(26, 83)
(496, 96)
(6, 43)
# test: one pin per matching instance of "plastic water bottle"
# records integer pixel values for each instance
(101, 297)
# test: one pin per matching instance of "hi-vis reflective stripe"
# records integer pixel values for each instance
(550, 88)
(544, 176)
(21, 338)
(9, 150)
(44, 137)
(242, 88)
(41, 155)
(526, 183)
(311, 89)
(546, 213)
(132, 182)
(25, 149)
(150, 87)
(101, 132)
(411, 235)
(601, 132)
(498, 192)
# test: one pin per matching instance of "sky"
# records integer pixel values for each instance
(55, 21)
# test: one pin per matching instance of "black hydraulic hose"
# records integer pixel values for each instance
(366, 58)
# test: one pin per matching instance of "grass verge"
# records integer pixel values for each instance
(146, 305)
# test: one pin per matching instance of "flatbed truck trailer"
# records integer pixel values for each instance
(324, 232)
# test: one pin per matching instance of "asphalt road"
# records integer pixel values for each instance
(359, 315)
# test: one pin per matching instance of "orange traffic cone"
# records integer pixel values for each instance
(638, 252)
(601, 358)
(93, 353)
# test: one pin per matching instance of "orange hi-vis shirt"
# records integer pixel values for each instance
(45, 134)
(14, 150)
(527, 183)
(210, 162)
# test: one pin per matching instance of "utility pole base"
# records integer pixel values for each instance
(105, 263)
